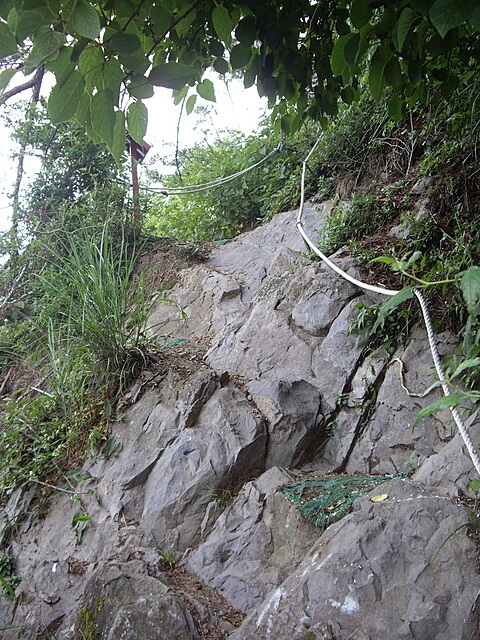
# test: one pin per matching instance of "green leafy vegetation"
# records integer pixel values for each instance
(85, 340)
(227, 209)
(8, 580)
(305, 57)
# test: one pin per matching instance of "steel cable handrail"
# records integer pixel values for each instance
(391, 292)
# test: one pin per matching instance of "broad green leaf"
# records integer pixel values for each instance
(160, 18)
(206, 90)
(90, 62)
(5, 8)
(474, 17)
(184, 25)
(117, 148)
(395, 108)
(125, 43)
(179, 95)
(351, 49)
(190, 104)
(85, 20)
(139, 87)
(470, 286)
(222, 23)
(103, 115)
(82, 114)
(402, 27)
(137, 120)
(46, 40)
(376, 78)
(422, 6)
(240, 56)
(29, 21)
(475, 485)
(33, 61)
(360, 13)
(348, 95)
(447, 402)
(337, 60)
(286, 123)
(249, 77)
(111, 76)
(448, 14)
(393, 73)
(171, 75)
(414, 72)
(216, 48)
(392, 303)
(91, 133)
(246, 30)
(466, 364)
(63, 100)
(5, 76)
(8, 44)
(221, 66)
(62, 65)
(33, 4)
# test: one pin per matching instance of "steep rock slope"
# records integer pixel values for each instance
(283, 393)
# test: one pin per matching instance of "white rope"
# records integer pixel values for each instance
(187, 190)
(390, 292)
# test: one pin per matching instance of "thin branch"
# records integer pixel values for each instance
(33, 82)
(51, 486)
(37, 85)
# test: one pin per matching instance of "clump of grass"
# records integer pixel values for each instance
(90, 342)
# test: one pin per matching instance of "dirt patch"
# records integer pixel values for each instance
(163, 259)
(214, 617)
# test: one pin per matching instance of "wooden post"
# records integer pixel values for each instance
(137, 218)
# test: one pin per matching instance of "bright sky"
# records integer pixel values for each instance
(236, 108)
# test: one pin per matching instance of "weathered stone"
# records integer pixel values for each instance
(255, 543)
(293, 413)
(268, 250)
(452, 467)
(381, 572)
(352, 410)
(206, 299)
(125, 603)
(226, 446)
(284, 371)
(333, 372)
(262, 345)
(389, 443)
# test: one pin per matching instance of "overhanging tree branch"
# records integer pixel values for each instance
(35, 80)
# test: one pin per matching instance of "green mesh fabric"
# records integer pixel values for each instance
(325, 500)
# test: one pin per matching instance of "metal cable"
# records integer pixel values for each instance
(187, 190)
(390, 292)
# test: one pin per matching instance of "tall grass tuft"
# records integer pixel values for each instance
(93, 287)
(89, 344)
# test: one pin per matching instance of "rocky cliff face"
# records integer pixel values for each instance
(282, 394)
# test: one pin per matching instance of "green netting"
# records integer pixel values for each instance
(325, 500)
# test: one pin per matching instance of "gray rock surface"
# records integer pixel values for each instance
(255, 544)
(381, 572)
(283, 393)
(128, 604)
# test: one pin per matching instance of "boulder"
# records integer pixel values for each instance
(125, 603)
(391, 569)
(255, 544)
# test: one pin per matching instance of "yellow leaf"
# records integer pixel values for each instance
(380, 498)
